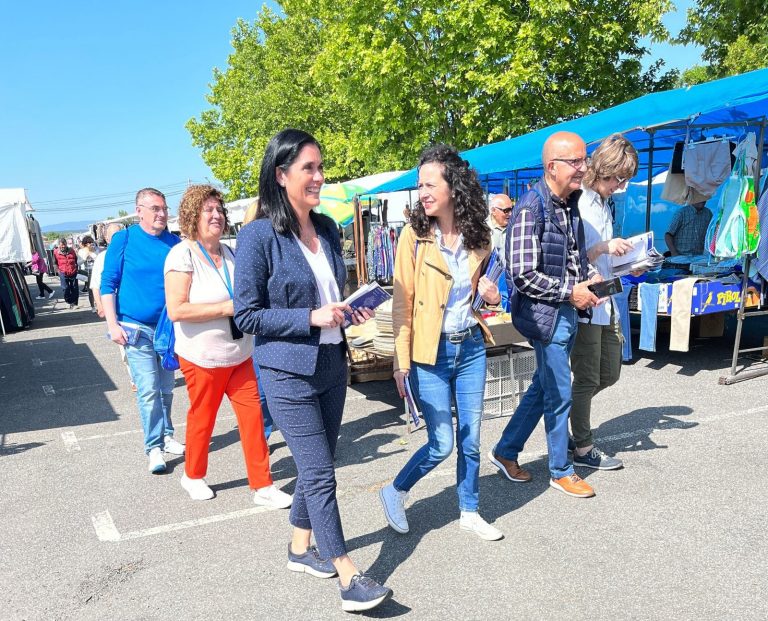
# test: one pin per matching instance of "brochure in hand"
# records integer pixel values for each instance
(493, 271)
(370, 296)
(642, 256)
(412, 403)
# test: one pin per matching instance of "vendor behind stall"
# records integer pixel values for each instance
(687, 230)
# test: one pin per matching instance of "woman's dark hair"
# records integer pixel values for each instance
(282, 151)
(469, 208)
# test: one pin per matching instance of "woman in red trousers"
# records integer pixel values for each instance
(215, 358)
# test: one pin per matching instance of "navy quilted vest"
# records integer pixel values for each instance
(535, 319)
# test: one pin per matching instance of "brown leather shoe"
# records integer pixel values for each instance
(510, 468)
(573, 485)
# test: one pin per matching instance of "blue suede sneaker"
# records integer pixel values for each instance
(311, 563)
(363, 593)
(597, 460)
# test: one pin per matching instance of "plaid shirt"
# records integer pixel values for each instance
(688, 229)
(525, 255)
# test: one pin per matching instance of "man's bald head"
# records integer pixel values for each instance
(560, 145)
(564, 157)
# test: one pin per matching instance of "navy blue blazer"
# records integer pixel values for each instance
(275, 290)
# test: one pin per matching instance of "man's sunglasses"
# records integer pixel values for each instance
(506, 211)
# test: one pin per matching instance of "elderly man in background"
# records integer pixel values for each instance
(500, 207)
(548, 275)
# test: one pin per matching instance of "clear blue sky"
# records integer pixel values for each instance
(95, 96)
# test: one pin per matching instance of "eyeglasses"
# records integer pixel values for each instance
(576, 162)
(155, 209)
(506, 210)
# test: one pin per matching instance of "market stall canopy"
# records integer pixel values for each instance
(15, 246)
(655, 120)
(336, 198)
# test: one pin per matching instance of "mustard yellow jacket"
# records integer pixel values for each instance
(422, 284)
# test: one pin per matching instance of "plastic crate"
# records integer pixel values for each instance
(506, 380)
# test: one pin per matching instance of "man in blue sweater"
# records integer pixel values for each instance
(133, 296)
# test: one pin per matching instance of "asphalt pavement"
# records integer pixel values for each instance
(88, 533)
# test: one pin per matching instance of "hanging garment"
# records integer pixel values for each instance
(761, 263)
(682, 294)
(649, 299)
(621, 300)
(707, 165)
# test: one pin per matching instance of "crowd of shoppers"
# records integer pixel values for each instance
(265, 326)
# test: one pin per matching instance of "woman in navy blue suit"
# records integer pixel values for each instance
(289, 276)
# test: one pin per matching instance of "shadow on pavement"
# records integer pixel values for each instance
(632, 431)
(50, 383)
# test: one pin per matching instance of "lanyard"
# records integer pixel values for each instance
(228, 282)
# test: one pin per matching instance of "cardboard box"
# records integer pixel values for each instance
(506, 334)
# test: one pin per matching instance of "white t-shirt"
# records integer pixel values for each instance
(326, 286)
(98, 268)
(209, 343)
(598, 227)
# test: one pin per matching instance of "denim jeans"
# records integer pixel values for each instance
(265, 415)
(71, 288)
(458, 375)
(622, 304)
(549, 395)
(154, 389)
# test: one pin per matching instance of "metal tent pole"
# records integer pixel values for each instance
(649, 192)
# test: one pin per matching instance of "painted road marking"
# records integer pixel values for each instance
(68, 388)
(36, 362)
(107, 531)
(101, 436)
(70, 442)
(48, 390)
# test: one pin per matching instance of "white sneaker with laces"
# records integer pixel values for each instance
(393, 501)
(156, 461)
(471, 521)
(51, 294)
(272, 497)
(196, 488)
(39, 297)
(174, 447)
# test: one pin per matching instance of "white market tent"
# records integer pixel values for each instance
(15, 246)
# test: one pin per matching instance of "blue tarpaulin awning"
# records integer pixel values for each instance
(656, 120)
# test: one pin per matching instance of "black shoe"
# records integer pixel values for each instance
(363, 593)
(571, 444)
(311, 563)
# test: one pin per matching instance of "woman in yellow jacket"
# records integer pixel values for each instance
(439, 339)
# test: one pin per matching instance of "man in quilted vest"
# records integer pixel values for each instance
(548, 275)
(66, 262)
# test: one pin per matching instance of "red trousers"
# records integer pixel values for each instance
(206, 389)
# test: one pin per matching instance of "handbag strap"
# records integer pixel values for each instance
(227, 282)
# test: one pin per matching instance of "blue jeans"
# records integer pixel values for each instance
(268, 422)
(549, 395)
(154, 389)
(649, 295)
(458, 375)
(70, 287)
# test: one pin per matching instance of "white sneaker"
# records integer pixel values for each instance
(39, 297)
(471, 521)
(156, 461)
(51, 294)
(272, 497)
(196, 488)
(393, 502)
(174, 447)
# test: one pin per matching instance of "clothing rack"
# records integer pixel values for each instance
(16, 306)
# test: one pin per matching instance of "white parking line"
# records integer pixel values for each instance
(107, 531)
(68, 388)
(101, 436)
(70, 442)
(36, 362)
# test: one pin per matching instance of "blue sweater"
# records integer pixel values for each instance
(133, 268)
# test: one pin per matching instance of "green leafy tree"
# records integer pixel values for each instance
(377, 80)
(122, 213)
(733, 33)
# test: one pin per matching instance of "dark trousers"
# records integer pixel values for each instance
(308, 411)
(41, 286)
(71, 288)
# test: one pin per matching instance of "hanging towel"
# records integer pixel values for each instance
(649, 302)
(682, 294)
